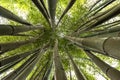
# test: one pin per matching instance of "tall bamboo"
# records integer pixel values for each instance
(11, 30)
(4, 47)
(8, 14)
(59, 71)
(41, 9)
(108, 46)
(102, 18)
(78, 73)
(111, 72)
(52, 11)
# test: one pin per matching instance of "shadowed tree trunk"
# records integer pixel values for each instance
(42, 2)
(52, 11)
(40, 74)
(41, 9)
(18, 57)
(23, 75)
(109, 25)
(111, 72)
(8, 66)
(27, 66)
(33, 76)
(8, 14)
(46, 68)
(46, 76)
(59, 71)
(18, 71)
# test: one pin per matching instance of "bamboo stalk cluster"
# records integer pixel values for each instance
(100, 38)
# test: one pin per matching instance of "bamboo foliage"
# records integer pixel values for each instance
(9, 15)
(59, 71)
(70, 4)
(111, 72)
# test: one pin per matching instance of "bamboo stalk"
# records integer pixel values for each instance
(11, 30)
(59, 71)
(111, 72)
(9, 15)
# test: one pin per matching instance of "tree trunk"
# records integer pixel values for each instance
(41, 9)
(46, 76)
(23, 75)
(102, 45)
(18, 57)
(92, 7)
(10, 29)
(42, 2)
(36, 77)
(108, 15)
(52, 11)
(111, 72)
(18, 71)
(4, 47)
(111, 30)
(59, 71)
(8, 14)
(46, 68)
(102, 6)
(8, 66)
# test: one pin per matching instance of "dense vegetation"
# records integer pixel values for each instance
(59, 39)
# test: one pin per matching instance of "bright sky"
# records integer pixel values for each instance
(99, 77)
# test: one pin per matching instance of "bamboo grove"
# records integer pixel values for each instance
(50, 46)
